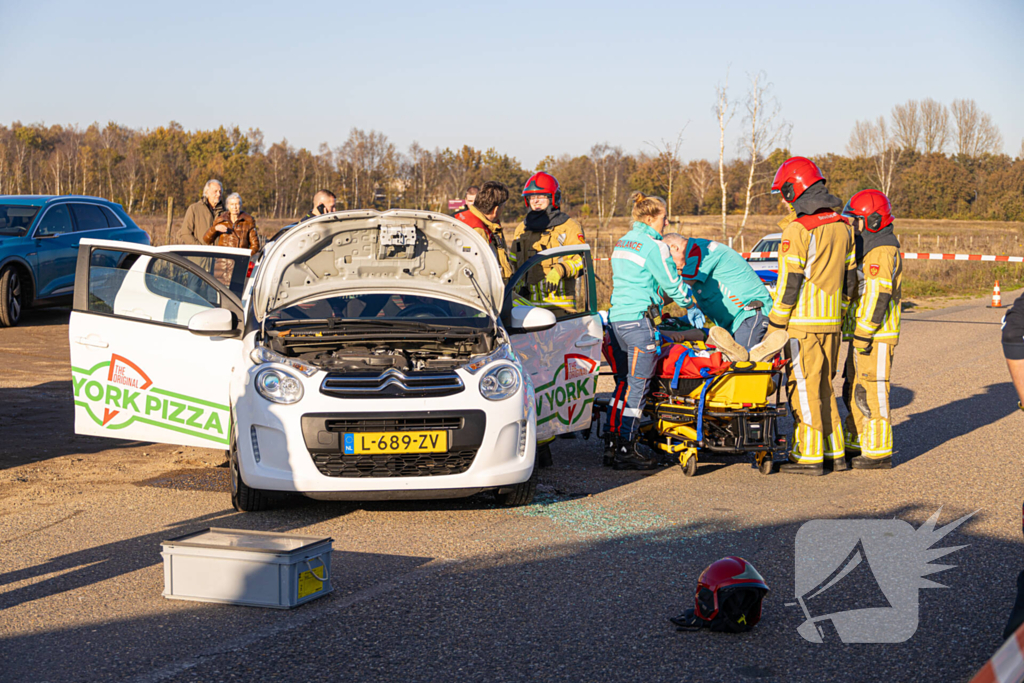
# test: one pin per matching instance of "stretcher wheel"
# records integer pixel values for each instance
(688, 461)
(764, 463)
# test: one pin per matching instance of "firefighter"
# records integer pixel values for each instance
(642, 273)
(816, 278)
(484, 216)
(872, 326)
(546, 226)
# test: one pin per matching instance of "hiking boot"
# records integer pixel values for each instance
(611, 440)
(814, 469)
(723, 341)
(544, 455)
(863, 462)
(772, 343)
(631, 456)
(839, 464)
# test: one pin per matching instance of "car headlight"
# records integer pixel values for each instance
(475, 365)
(278, 386)
(500, 382)
(261, 355)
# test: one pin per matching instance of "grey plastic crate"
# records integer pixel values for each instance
(256, 568)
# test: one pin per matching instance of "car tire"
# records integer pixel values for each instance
(519, 494)
(12, 296)
(245, 498)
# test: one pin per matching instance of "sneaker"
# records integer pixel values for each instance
(723, 341)
(771, 345)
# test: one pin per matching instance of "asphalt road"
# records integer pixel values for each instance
(577, 586)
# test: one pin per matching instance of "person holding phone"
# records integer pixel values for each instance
(234, 228)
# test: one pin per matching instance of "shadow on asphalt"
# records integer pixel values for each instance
(929, 429)
(38, 423)
(44, 317)
(593, 609)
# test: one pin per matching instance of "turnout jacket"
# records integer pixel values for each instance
(642, 269)
(874, 312)
(817, 260)
(491, 232)
(526, 243)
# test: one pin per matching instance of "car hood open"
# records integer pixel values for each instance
(343, 251)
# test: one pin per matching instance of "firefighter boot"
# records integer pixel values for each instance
(812, 468)
(629, 455)
(544, 455)
(611, 441)
(723, 341)
(862, 462)
(839, 464)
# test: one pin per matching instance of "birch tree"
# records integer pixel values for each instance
(701, 175)
(874, 141)
(975, 134)
(765, 128)
(934, 126)
(669, 151)
(906, 124)
(724, 110)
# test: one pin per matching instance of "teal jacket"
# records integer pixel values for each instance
(642, 270)
(723, 283)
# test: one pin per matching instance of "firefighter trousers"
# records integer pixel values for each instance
(817, 428)
(867, 430)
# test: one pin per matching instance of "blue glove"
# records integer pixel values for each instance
(695, 317)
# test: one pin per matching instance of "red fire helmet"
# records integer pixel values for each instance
(873, 206)
(794, 177)
(720, 578)
(543, 183)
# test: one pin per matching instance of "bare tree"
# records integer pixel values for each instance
(606, 163)
(669, 151)
(934, 126)
(701, 175)
(975, 132)
(874, 141)
(1020, 155)
(906, 126)
(724, 110)
(765, 128)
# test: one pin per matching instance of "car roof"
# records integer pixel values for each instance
(44, 199)
(773, 236)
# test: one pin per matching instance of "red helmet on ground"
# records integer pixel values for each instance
(794, 177)
(730, 592)
(871, 205)
(543, 183)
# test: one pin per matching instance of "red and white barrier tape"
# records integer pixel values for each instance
(1007, 664)
(920, 256)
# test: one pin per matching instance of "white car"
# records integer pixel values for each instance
(765, 259)
(370, 356)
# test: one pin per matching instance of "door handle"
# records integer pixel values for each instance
(587, 342)
(92, 341)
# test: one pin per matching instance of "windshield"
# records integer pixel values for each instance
(377, 307)
(16, 219)
(765, 245)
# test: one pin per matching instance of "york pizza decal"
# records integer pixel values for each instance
(566, 397)
(118, 393)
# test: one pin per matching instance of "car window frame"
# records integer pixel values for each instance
(74, 218)
(39, 221)
(591, 282)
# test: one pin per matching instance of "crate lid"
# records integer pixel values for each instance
(243, 539)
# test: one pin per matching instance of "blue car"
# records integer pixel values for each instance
(39, 238)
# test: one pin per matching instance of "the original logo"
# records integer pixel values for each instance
(572, 389)
(118, 393)
(857, 580)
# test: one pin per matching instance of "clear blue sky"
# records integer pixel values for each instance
(529, 79)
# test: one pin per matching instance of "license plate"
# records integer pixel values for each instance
(376, 443)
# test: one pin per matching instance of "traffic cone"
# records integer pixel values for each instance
(997, 299)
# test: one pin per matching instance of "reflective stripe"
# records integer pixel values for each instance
(812, 251)
(630, 412)
(629, 256)
(801, 381)
(883, 403)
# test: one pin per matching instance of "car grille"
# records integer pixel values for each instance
(392, 384)
(322, 434)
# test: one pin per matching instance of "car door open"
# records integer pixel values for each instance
(154, 338)
(563, 361)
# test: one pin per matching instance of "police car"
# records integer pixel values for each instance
(765, 260)
(367, 356)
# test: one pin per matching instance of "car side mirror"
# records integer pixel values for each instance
(215, 322)
(532, 319)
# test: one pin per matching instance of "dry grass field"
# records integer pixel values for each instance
(923, 280)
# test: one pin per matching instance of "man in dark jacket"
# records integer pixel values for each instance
(199, 217)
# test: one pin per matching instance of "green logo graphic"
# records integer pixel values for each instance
(566, 397)
(117, 393)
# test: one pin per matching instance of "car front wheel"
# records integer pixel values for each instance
(245, 498)
(12, 297)
(519, 494)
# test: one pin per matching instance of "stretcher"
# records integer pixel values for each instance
(730, 412)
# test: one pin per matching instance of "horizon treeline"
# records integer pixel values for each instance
(141, 169)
